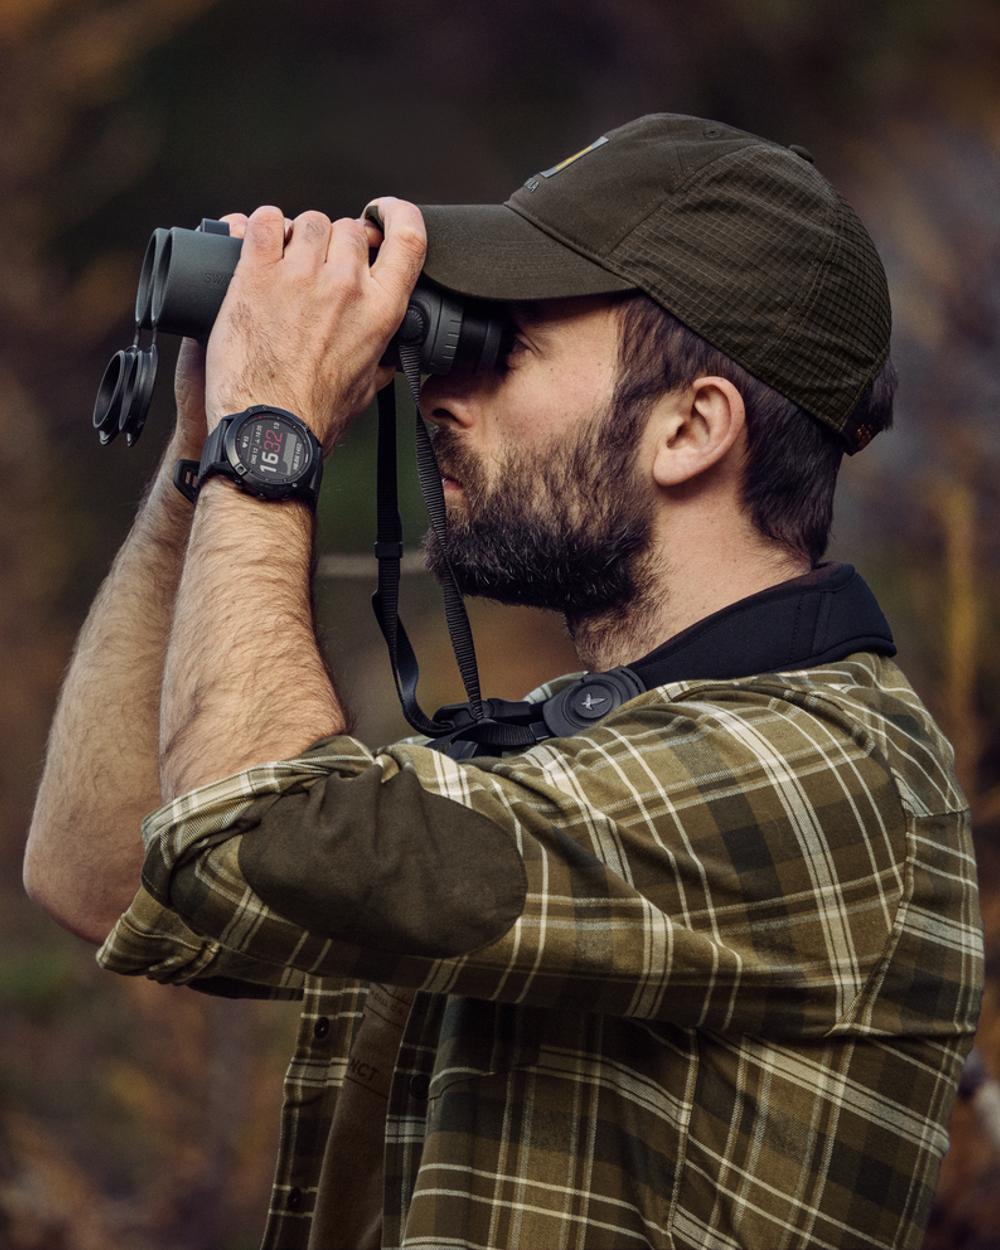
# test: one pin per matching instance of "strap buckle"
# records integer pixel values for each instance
(387, 549)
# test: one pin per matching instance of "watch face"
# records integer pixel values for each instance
(272, 449)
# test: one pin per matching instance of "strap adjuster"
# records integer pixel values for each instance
(388, 550)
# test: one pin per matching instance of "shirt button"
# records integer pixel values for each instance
(294, 1199)
(419, 1087)
(321, 1028)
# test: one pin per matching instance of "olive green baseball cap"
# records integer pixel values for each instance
(739, 237)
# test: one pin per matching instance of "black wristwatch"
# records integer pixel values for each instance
(268, 452)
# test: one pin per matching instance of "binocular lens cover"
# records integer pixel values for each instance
(135, 403)
(114, 385)
(124, 393)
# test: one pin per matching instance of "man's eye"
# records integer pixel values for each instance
(512, 347)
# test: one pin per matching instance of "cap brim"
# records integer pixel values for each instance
(489, 251)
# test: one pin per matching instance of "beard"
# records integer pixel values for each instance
(567, 526)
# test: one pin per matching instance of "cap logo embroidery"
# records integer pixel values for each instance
(533, 182)
(550, 173)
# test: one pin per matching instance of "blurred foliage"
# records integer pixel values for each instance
(145, 1118)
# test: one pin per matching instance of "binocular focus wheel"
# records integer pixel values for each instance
(115, 385)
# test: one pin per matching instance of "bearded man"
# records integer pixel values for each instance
(700, 974)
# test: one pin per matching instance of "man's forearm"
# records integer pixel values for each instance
(101, 769)
(244, 681)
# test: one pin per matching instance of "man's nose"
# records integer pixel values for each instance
(444, 400)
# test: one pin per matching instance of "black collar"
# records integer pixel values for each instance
(822, 616)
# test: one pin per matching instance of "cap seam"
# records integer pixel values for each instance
(789, 319)
(683, 184)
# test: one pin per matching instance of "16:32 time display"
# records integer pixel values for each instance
(273, 448)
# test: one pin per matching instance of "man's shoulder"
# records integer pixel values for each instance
(867, 699)
(862, 705)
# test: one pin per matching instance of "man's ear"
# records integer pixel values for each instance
(695, 427)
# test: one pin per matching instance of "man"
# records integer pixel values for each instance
(702, 974)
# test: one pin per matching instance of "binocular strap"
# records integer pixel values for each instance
(385, 601)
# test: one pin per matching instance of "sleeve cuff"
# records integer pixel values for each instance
(150, 941)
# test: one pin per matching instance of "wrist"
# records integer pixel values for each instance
(183, 446)
(226, 494)
(164, 520)
(164, 512)
(216, 411)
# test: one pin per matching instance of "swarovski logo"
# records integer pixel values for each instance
(590, 702)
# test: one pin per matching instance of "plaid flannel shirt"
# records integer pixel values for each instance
(703, 975)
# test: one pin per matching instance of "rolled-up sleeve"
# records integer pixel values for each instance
(725, 856)
(153, 941)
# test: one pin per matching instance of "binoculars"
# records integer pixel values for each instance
(183, 281)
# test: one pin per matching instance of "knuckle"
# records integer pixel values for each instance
(315, 226)
(266, 221)
(411, 239)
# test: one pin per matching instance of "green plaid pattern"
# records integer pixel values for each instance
(731, 1014)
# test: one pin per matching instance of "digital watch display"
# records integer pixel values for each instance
(272, 449)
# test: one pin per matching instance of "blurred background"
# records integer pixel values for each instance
(142, 1117)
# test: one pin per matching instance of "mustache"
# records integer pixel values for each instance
(450, 457)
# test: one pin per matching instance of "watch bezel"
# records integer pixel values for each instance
(248, 479)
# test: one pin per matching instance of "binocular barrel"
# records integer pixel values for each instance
(183, 280)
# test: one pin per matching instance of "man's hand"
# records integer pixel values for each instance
(304, 326)
(189, 376)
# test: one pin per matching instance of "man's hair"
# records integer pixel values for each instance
(792, 459)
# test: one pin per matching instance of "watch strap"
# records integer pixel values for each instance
(186, 478)
(213, 457)
(189, 474)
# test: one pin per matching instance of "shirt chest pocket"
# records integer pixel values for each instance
(479, 1038)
